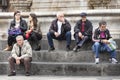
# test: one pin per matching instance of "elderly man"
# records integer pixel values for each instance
(59, 30)
(21, 53)
(83, 31)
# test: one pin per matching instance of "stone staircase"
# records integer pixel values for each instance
(61, 62)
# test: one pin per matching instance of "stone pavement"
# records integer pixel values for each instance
(19, 77)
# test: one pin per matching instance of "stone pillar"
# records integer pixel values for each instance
(22, 5)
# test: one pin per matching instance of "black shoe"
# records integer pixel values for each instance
(51, 49)
(12, 74)
(27, 74)
(38, 48)
(75, 49)
(67, 48)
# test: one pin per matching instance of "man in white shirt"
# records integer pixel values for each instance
(59, 30)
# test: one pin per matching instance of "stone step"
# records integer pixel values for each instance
(62, 56)
(66, 69)
(59, 45)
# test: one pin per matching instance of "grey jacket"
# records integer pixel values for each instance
(26, 50)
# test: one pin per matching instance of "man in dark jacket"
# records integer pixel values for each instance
(59, 30)
(83, 31)
(102, 37)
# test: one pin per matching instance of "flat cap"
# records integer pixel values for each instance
(83, 14)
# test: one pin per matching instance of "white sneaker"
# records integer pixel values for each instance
(96, 60)
(114, 61)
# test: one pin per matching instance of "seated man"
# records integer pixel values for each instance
(21, 53)
(101, 38)
(60, 30)
(83, 31)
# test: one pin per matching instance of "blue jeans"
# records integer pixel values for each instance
(100, 47)
(51, 36)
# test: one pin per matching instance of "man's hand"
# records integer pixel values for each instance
(56, 34)
(18, 60)
(28, 31)
(105, 41)
(63, 20)
(80, 35)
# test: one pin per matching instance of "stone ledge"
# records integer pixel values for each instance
(106, 12)
(63, 56)
(67, 69)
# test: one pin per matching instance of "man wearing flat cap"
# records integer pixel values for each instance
(82, 31)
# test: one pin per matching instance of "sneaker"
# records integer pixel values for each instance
(8, 48)
(96, 60)
(12, 74)
(27, 74)
(114, 61)
(51, 49)
(75, 49)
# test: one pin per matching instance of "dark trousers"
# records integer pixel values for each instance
(51, 36)
(11, 40)
(80, 41)
(34, 40)
(25, 61)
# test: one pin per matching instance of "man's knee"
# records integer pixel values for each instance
(96, 44)
(68, 33)
(11, 59)
(49, 34)
(28, 59)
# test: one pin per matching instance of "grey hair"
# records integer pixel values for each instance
(19, 37)
(59, 13)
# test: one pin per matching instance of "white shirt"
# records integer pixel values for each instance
(59, 26)
(17, 25)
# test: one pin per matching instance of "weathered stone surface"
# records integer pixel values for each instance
(59, 45)
(66, 69)
(58, 5)
(63, 56)
(45, 19)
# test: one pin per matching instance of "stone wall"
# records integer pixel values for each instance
(58, 5)
(45, 19)
(62, 5)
